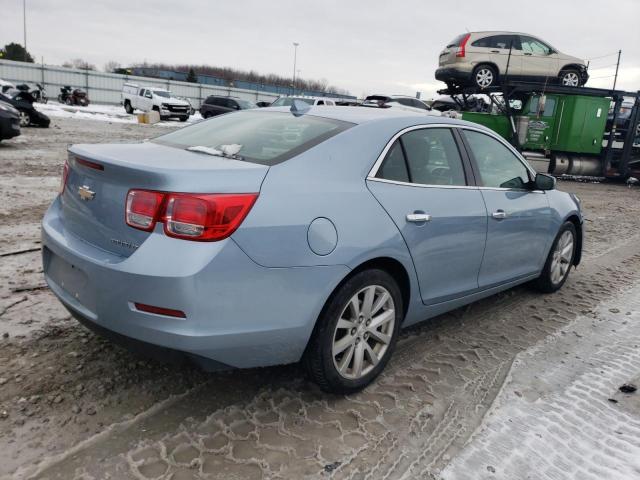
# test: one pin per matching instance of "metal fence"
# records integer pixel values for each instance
(107, 87)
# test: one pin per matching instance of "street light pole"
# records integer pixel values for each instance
(295, 58)
(24, 18)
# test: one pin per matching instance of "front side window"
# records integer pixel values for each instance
(498, 166)
(534, 46)
(263, 137)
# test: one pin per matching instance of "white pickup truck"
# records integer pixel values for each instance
(153, 98)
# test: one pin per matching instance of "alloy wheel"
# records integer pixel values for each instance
(570, 79)
(484, 77)
(562, 257)
(24, 119)
(363, 332)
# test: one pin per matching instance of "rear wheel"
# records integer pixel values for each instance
(356, 333)
(570, 78)
(485, 76)
(558, 265)
(25, 119)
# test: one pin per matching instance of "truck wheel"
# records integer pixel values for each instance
(558, 265)
(570, 78)
(356, 333)
(184, 119)
(485, 76)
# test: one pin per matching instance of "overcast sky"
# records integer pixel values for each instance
(363, 46)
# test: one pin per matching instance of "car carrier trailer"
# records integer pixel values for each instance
(562, 130)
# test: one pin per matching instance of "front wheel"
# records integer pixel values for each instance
(184, 119)
(25, 119)
(356, 333)
(558, 265)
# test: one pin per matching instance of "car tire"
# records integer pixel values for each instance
(570, 78)
(340, 354)
(184, 119)
(485, 76)
(128, 108)
(559, 261)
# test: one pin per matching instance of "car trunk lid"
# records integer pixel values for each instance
(100, 176)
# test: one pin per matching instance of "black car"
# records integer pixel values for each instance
(215, 105)
(23, 102)
(9, 121)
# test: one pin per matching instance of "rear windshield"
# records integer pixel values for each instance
(288, 101)
(263, 137)
(456, 41)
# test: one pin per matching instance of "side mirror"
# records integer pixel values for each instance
(544, 182)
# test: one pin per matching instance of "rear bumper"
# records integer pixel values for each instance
(237, 313)
(452, 75)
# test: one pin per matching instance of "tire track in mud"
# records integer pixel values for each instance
(442, 380)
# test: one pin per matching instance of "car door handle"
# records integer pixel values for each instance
(418, 217)
(499, 215)
(528, 54)
(495, 51)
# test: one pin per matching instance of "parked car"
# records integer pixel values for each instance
(215, 105)
(9, 121)
(396, 101)
(23, 102)
(269, 236)
(5, 86)
(480, 59)
(38, 92)
(146, 99)
(314, 101)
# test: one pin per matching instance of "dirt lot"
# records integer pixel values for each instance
(74, 406)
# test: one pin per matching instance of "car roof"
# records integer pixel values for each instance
(362, 115)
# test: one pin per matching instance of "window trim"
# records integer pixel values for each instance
(472, 182)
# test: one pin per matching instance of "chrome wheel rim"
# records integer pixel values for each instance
(484, 77)
(24, 119)
(570, 79)
(562, 256)
(363, 332)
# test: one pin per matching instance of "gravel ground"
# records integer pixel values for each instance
(75, 406)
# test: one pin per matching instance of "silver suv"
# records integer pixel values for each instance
(480, 59)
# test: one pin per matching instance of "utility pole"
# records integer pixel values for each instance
(615, 79)
(295, 57)
(24, 18)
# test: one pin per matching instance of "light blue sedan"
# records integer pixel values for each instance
(272, 236)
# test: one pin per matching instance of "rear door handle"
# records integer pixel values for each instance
(499, 215)
(418, 217)
(495, 51)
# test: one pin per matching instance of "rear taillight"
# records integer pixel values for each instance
(201, 217)
(143, 208)
(461, 50)
(63, 179)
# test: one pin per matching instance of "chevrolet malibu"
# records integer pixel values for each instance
(271, 236)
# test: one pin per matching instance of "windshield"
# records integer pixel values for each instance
(245, 105)
(288, 101)
(162, 93)
(261, 137)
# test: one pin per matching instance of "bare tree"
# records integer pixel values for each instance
(79, 63)
(111, 65)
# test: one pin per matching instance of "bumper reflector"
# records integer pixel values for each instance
(160, 310)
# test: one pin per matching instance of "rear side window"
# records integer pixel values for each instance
(456, 41)
(498, 165)
(266, 138)
(433, 157)
(495, 41)
(394, 166)
(428, 156)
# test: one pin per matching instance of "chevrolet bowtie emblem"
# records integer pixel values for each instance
(86, 193)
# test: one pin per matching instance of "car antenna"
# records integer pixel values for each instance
(298, 107)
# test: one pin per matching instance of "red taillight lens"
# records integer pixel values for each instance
(170, 312)
(201, 217)
(205, 217)
(63, 179)
(143, 209)
(461, 50)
